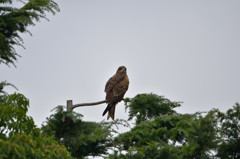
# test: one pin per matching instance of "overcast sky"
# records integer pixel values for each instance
(184, 50)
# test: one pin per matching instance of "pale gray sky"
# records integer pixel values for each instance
(185, 50)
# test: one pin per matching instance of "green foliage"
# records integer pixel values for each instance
(166, 134)
(148, 106)
(81, 138)
(4, 94)
(14, 21)
(189, 136)
(31, 146)
(162, 129)
(19, 137)
(150, 151)
(200, 136)
(13, 115)
(229, 133)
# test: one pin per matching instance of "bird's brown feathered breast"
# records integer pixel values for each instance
(116, 87)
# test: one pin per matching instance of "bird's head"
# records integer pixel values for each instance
(122, 69)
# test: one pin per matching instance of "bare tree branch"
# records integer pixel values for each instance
(70, 106)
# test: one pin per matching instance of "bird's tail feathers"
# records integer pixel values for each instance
(106, 110)
(111, 111)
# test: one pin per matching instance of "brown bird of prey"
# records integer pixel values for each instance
(115, 89)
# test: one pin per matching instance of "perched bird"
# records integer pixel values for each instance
(115, 89)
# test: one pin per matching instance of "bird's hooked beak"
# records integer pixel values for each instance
(124, 70)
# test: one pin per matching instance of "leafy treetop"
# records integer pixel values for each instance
(14, 21)
(149, 106)
(19, 136)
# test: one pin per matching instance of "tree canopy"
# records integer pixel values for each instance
(14, 21)
(19, 136)
(162, 133)
(153, 105)
(81, 138)
(178, 136)
(166, 135)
